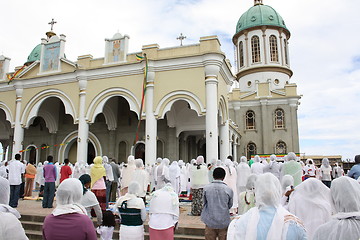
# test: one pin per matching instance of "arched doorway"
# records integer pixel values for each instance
(140, 151)
(32, 154)
(71, 154)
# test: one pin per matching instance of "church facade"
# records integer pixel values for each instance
(177, 102)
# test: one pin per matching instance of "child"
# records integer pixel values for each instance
(107, 228)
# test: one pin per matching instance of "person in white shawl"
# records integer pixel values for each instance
(293, 168)
(162, 174)
(310, 202)
(10, 226)
(89, 200)
(230, 180)
(337, 171)
(268, 220)
(273, 167)
(247, 197)
(257, 167)
(132, 213)
(163, 213)
(141, 176)
(183, 178)
(345, 224)
(3, 170)
(153, 176)
(127, 174)
(174, 174)
(287, 186)
(325, 172)
(199, 178)
(243, 172)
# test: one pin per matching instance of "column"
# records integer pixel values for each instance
(10, 149)
(265, 128)
(224, 141)
(83, 126)
(294, 126)
(4, 146)
(112, 135)
(212, 67)
(150, 122)
(18, 130)
(235, 151)
(52, 150)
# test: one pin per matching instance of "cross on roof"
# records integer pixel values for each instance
(52, 24)
(181, 38)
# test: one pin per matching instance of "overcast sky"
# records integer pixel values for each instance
(324, 47)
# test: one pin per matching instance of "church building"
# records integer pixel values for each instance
(177, 102)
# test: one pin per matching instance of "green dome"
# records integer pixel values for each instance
(34, 55)
(260, 15)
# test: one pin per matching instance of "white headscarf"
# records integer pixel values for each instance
(139, 163)
(310, 201)
(345, 224)
(4, 198)
(286, 181)
(164, 201)
(68, 197)
(250, 183)
(257, 158)
(325, 162)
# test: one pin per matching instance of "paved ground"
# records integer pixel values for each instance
(33, 207)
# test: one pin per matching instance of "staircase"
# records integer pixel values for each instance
(33, 229)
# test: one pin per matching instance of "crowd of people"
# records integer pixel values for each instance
(256, 199)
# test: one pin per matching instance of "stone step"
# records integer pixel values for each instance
(37, 235)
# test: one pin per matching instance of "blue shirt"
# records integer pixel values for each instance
(354, 172)
(218, 199)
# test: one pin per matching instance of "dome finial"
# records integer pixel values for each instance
(258, 2)
(51, 33)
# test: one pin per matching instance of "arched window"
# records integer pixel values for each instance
(250, 149)
(281, 148)
(250, 120)
(279, 118)
(286, 52)
(255, 49)
(241, 54)
(274, 55)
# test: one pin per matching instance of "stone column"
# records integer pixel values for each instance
(18, 130)
(112, 135)
(83, 126)
(265, 127)
(4, 146)
(235, 151)
(294, 126)
(212, 67)
(150, 122)
(224, 141)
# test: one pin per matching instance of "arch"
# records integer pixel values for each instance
(73, 137)
(251, 149)
(27, 153)
(286, 53)
(223, 110)
(97, 104)
(241, 54)
(8, 114)
(133, 147)
(279, 118)
(49, 119)
(168, 100)
(250, 120)
(32, 108)
(274, 53)
(110, 118)
(255, 49)
(280, 147)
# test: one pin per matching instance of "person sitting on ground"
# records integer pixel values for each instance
(10, 226)
(345, 224)
(218, 199)
(268, 220)
(132, 214)
(247, 197)
(69, 220)
(89, 200)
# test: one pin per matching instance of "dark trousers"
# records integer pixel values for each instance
(49, 193)
(14, 195)
(108, 190)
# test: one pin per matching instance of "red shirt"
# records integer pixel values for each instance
(65, 172)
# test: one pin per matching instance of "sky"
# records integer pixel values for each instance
(324, 48)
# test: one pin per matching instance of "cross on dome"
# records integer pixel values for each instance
(181, 38)
(52, 24)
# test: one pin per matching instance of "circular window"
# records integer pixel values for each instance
(276, 81)
(249, 83)
(253, 19)
(271, 17)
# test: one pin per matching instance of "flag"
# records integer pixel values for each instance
(139, 58)
(15, 74)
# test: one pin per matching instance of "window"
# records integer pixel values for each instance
(279, 118)
(255, 49)
(241, 54)
(274, 56)
(286, 52)
(251, 149)
(250, 120)
(281, 148)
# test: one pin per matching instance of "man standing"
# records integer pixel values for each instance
(65, 171)
(218, 199)
(50, 175)
(16, 171)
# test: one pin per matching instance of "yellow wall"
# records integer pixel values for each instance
(9, 99)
